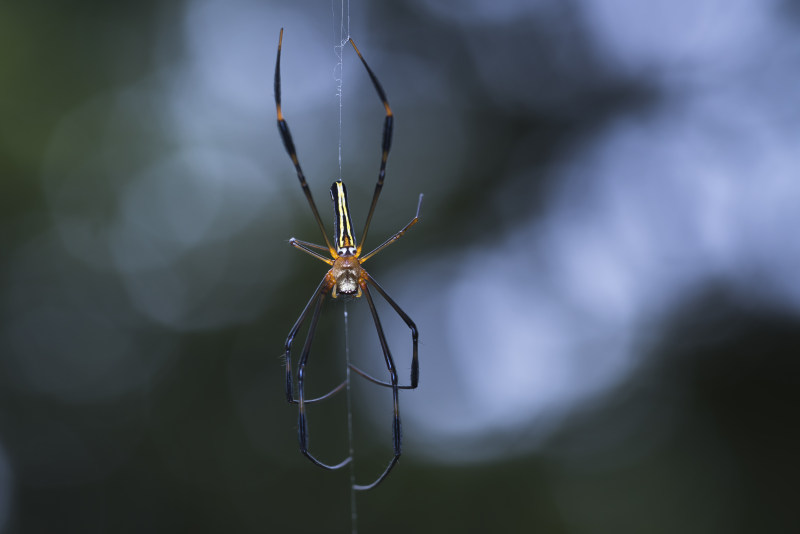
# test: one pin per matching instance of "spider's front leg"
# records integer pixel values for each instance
(314, 306)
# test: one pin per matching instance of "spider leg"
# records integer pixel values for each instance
(288, 143)
(318, 296)
(396, 236)
(302, 425)
(386, 144)
(396, 438)
(307, 247)
(414, 341)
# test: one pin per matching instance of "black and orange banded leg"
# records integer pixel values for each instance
(386, 145)
(288, 143)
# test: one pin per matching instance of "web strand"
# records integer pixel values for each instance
(344, 37)
(353, 509)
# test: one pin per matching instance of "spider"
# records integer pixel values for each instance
(347, 278)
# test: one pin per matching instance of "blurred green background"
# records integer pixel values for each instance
(604, 276)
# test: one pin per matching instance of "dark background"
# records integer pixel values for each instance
(620, 180)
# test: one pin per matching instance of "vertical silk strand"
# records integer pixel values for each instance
(344, 36)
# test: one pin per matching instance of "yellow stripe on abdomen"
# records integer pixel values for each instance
(342, 223)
